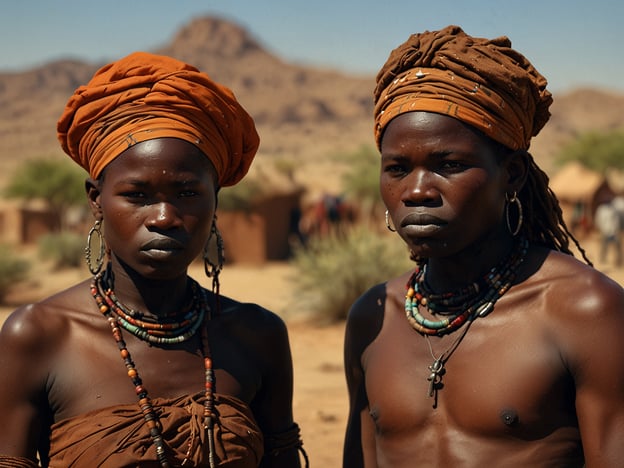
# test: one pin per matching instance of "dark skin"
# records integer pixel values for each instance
(58, 358)
(538, 382)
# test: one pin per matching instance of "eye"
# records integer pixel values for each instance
(450, 165)
(133, 195)
(395, 168)
(188, 193)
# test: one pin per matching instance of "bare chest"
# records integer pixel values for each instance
(90, 371)
(500, 380)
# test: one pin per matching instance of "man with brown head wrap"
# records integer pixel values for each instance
(159, 139)
(499, 348)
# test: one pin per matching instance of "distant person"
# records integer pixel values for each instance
(140, 366)
(609, 222)
(499, 348)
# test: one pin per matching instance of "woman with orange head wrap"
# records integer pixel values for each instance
(140, 365)
(499, 347)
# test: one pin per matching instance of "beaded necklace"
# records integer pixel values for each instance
(458, 307)
(475, 300)
(169, 332)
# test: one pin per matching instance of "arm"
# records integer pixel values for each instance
(363, 324)
(272, 406)
(23, 357)
(594, 350)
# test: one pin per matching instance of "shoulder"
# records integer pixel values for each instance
(30, 340)
(366, 316)
(259, 330)
(371, 306)
(579, 288)
(580, 306)
(38, 326)
(251, 316)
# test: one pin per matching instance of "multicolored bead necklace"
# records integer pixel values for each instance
(169, 332)
(458, 308)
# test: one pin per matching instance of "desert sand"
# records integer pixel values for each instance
(320, 399)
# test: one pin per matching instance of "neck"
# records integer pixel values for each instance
(155, 297)
(470, 264)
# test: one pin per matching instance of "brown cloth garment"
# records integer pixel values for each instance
(145, 96)
(117, 437)
(482, 82)
(16, 462)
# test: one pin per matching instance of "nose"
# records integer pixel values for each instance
(163, 215)
(420, 188)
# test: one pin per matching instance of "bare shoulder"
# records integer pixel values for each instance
(578, 290)
(38, 326)
(250, 316)
(580, 308)
(367, 314)
(260, 331)
(31, 339)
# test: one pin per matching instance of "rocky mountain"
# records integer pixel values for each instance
(305, 116)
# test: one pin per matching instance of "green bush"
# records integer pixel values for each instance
(331, 273)
(599, 151)
(65, 250)
(13, 270)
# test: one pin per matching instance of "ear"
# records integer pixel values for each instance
(517, 167)
(92, 188)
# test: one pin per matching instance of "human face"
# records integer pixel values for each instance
(441, 182)
(157, 201)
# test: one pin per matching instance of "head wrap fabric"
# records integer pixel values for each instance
(482, 82)
(145, 96)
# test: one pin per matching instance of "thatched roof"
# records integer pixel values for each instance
(574, 182)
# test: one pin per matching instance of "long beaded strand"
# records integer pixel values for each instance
(108, 304)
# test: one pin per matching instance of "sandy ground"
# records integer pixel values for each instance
(320, 400)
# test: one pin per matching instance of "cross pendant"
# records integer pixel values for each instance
(437, 369)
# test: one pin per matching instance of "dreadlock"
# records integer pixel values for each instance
(541, 206)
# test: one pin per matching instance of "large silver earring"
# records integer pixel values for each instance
(390, 228)
(214, 267)
(513, 199)
(99, 261)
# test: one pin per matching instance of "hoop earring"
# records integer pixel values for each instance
(516, 201)
(99, 261)
(390, 228)
(212, 268)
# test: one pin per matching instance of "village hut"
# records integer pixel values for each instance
(261, 225)
(580, 190)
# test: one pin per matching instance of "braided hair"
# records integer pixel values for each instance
(541, 206)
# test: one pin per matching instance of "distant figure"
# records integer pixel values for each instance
(609, 222)
(329, 215)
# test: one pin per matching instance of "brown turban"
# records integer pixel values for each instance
(482, 82)
(145, 96)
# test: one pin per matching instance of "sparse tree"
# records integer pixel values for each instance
(599, 151)
(60, 184)
(361, 181)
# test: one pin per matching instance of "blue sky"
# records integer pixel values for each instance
(573, 43)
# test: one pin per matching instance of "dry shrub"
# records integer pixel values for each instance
(332, 272)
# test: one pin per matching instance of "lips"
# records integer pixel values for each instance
(421, 224)
(421, 219)
(162, 243)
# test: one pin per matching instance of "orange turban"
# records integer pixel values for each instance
(482, 82)
(145, 96)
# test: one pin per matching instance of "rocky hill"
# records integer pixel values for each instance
(304, 115)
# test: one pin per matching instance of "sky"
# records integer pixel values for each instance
(573, 43)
